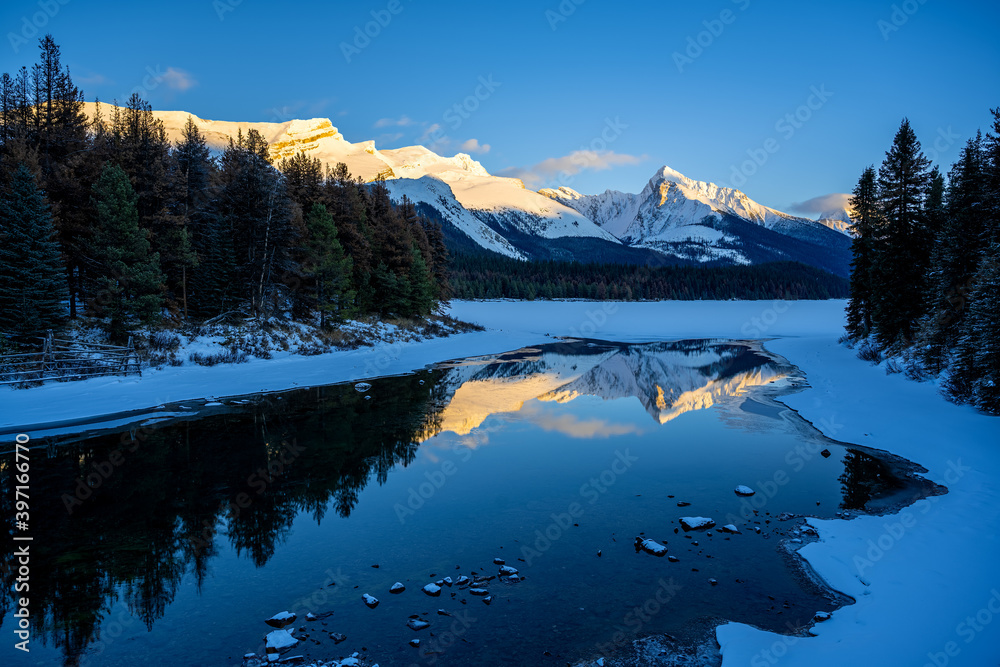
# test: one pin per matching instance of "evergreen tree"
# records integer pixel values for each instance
(865, 214)
(303, 178)
(902, 246)
(983, 332)
(346, 204)
(214, 287)
(140, 147)
(127, 278)
(330, 272)
(991, 165)
(421, 286)
(190, 201)
(256, 211)
(32, 285)
(955, 256)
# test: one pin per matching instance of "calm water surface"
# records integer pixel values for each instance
(555, 458)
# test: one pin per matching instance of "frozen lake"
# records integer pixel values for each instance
(552, 458)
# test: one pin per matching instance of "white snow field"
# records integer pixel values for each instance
(926, 580)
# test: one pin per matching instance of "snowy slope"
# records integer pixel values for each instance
(694, 221)
(680, 216)
(438, 194)
(837, 219)
(459, 179)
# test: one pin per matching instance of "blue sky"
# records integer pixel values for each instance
(590, 94)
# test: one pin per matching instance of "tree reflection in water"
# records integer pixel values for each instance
(180, 488)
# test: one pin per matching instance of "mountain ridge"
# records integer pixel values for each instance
(676, 216)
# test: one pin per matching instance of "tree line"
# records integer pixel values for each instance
(925, 276)
(105, 217)
(492, 276)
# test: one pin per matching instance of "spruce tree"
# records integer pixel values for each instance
(256, 211)
(190, 200)
(32, 283)
(902, 246)
(421, 286)
(983, 330)
(328, 269)
(127, 281)
(865, 214)
(956, 252)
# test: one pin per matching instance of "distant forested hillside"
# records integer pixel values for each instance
(481, 276)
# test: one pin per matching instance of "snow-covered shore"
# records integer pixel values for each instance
(510, 325)
(925, 579)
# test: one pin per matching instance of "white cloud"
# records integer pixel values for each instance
(432, 129)
(94, 79)
(473, 146)
(177, 79)
(560, 168)
(402, 121)
(822, 204)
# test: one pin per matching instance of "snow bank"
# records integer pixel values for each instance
(925, 579)
(59, 406)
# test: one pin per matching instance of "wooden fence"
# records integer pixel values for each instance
(61, 359)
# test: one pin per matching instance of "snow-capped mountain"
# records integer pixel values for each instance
(838, 219)
(674, 218)
(704, 222)
(458, 186)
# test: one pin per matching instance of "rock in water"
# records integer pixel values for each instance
(338, 637)
(744, 490)
(729, 528)
(507, 570)
(362, 387)
(463, 580)
(433, 590)
(414, 643)
(397, 588)
(499, 561)
(478, 591)
(281, 620)
(277, 641)
(416, 624)
(370, 600)
(650, 546)
(821, 616)
(696, 522)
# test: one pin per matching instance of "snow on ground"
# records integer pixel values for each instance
(512, 325)
(925, 579)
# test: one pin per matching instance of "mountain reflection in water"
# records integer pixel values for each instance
(169, 498)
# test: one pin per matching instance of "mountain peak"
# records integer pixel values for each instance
(560, 193)
(838, 219)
